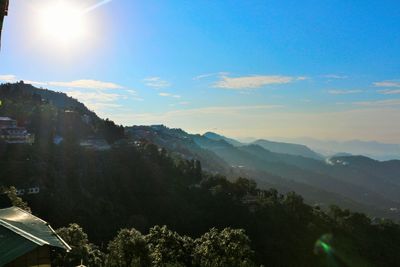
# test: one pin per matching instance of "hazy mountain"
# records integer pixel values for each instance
(215, 136)
(277, 147)
(323, 182)
(357, 182)
(372, 149)
(287, 148)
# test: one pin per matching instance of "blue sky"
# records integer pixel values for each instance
(322, 69)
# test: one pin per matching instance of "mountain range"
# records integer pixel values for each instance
(373, 149)
(357, 182)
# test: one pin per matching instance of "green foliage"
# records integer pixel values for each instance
(226, 248)
(168, 247)
(162, 247)
(81, 249)
(14, 198)
(128, 249)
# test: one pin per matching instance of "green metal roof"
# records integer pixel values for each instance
(21, 232)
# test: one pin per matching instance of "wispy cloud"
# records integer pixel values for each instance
(253, 82)
(83, 83)
(156, 82)
(387, 84)
(131, 92)
(99, 101)
(133, 95)
(389, 92)
(207, 75)
(335, 76)
(343, 92)
(36, 83)
(8, 78)
(87, 84)
(379, 103)
(169, 95)
(97, 96)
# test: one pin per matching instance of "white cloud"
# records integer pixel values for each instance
(387, 84)
(335, 76)
(253, 82)
(94, 96)
(184, 103)
(9, 78)
(169, 95)
(343, 92)
(84, 83)
(302, 78)
(87, 84)
(390, 92)
(156, 82)
(131, 92)
(207, 75)
(379, 103)
(35, 83)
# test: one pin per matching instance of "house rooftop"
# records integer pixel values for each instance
(22, 231)
(6, 119)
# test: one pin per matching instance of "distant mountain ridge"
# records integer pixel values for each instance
(355, 182)
(277, 147)
(287, 148)
(373, 149)
(216, 137)
(345, 180)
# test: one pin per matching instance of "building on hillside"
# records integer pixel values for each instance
(86, 119)
(6, 122)
(11, 134)
(28, 191)
(16, 135)
(26, 240)
(95, 143)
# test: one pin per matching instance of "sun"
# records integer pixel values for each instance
(62, 22)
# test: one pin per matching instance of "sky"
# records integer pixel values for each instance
(322, 69)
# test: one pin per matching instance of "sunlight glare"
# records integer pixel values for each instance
(62, 22)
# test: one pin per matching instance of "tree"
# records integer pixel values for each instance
(16, 201)
(226, 248)
(168, 247)
(81, 249)
(128, 249)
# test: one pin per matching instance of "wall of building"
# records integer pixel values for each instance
(39, 257)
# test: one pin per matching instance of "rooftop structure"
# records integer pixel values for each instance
(6, 122)
(26, 240)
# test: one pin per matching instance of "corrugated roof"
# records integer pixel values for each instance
(5, 119)
(31, 228)
(13, 246)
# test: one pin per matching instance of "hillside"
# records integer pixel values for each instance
(376, 150)
(287, 148)
(320, 182)
(49, 114)
(136, 183)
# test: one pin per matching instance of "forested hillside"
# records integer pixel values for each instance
(137, 184)
(358, 183)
